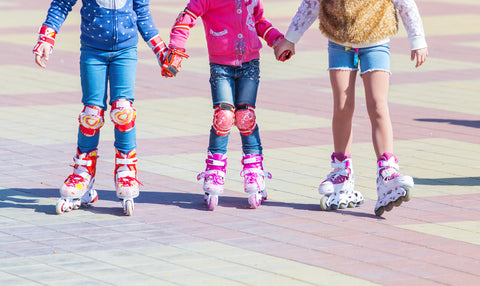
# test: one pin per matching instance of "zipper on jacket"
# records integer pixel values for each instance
(115, 28)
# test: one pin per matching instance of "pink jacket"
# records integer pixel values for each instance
(232, 28)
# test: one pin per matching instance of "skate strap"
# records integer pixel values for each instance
(213, 162)
(252, 160)
(124, 174)
(388, 163)
(126, 161)
(81, 161)
(338, 173)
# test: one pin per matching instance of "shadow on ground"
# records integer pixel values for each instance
(466, 123)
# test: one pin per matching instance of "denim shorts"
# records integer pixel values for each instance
(368, 59)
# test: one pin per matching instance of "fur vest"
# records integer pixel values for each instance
(357, 22)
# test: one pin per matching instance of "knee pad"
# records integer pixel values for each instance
(223, 119)
(91, 120)
(123, 115)
(245, 119)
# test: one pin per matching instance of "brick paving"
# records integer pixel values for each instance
(173, 239)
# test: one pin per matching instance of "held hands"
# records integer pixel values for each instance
(44, 46)
(283, 49)
(420, 54)
(173, 62)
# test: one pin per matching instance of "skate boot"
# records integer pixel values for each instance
(126, 182)
(214, 178)
(77, 189)
(254, 179)
(338, 187)
(393, 188)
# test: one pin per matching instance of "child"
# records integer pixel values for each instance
(109, 37)
(358, 33)
(232, 29)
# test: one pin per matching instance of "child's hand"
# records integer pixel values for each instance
(41, 57)
(44, 46)
(159, 48)
(284, 49)
(173, 62)
(420, 54)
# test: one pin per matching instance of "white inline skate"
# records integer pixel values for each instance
(254, 179)
(213, 178)
(393, 188)
(77, 189)
(338, 188)
(126, 182)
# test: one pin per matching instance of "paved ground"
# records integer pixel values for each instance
(172, 239)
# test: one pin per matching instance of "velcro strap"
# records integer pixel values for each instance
(126, 161)
(216, 162)
(82, 162)
(123, 174)
(256, 159)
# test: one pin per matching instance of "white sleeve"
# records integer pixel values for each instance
(307, 14)
(412, 22)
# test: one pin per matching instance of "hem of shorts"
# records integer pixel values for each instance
(372, 70)
(343, 69)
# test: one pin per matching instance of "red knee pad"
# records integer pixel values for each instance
(223, 119)
(123, 115)
(91, 120)
(245, 119)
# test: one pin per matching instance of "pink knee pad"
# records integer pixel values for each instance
(123, 115)
(91, 120)
(245, 119)
(223, 119)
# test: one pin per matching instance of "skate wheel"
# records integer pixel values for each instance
(264, 195)
(379, 211)
(352, 205)
(342, 206)
(407, 196)
(128, 207)
(255, 200)
(212, 202)
(61, 206)
(323, 203)
(76, 204)
(398, 202)
(389, 206)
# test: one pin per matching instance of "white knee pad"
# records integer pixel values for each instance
(91, 120)
(245, 119)
(123, 115)
(223, 119)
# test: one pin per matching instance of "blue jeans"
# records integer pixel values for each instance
(235, 85)
(369, 59)
(101, 69)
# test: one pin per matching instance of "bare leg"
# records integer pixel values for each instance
(343, 88)
(376, 90)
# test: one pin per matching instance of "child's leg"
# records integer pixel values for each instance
(375, 71)
(245, 120)
(343, 88)
(376, 90)
(78, 189)
(222, 85)
(94, 81)
(122, 71)
(338, 187)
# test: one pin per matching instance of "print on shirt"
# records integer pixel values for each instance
(250, 17)
(111, 4)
